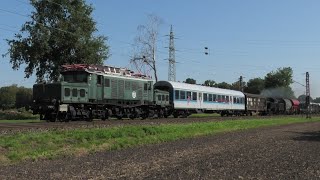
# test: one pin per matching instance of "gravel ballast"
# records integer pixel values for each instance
(282, 152)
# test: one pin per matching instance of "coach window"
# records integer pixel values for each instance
(145, 86)
(163, 98)
(66, 91)
(82, 93)
(214, 97)
(106, 82)
(194, 96)
(223, 99)
(205, 97)
(176, 94)
(188, 95)
(210, 97)
(218, 98)
(167, 97)
(182, 95)
(74, 92)
(159, 97)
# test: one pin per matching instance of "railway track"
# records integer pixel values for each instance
(11, 128)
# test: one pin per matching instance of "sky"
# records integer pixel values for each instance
(246, 38)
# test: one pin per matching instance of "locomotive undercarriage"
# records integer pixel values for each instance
(88, 112)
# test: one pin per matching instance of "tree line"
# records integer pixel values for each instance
(15, 97)
(274, 84)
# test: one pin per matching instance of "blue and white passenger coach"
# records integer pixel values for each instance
(189, 98)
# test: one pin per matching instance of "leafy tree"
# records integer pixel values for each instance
(254, 86)
(280, 78)
(59, 32)
(224, 85)
(236, 86)
(23, 97)
(316, 100)
(190, 81)
(8, 96)
(210, 83)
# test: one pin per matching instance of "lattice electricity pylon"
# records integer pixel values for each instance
(172, 60)
(308, 95)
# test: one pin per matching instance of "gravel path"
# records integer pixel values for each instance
(283, 152)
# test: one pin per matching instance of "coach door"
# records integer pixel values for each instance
(147, 90)
(99, 87)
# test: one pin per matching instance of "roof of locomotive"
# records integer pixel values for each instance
(194, 87)
(105, 70)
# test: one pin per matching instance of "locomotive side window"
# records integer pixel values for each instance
(194, 96)
(176, 94)
(99, 80)
(66, 91)
(82, 93)
(107, 82)
(145, 86)
(74, 92)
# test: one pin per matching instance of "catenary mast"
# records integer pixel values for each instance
(172, 60)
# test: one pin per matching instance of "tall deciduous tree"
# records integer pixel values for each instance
(280, 78)
(255, 86)
(59, 32)
(190, 81)
(224, 85)
(278, 83)
(210, 83)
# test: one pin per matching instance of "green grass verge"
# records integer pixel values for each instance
(37, 145)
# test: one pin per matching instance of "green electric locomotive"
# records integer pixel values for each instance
(99, 92)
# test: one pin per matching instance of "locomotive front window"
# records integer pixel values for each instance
(82, 93)
(66, 91)
(75, 77)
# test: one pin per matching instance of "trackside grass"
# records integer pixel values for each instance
(48, 145)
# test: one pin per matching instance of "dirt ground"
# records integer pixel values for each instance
(282, 152)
